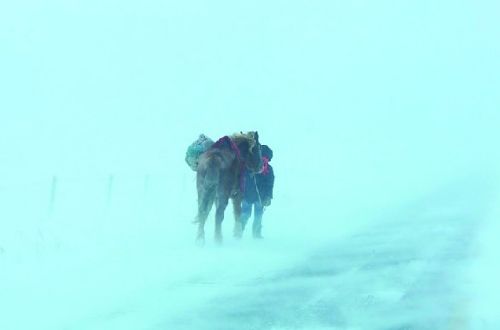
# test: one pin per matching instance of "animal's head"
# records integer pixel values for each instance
(250, 149)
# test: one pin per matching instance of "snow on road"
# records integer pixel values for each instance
(410, 268)
(405, 273)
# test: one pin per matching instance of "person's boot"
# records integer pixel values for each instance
(258, 236)
(257, 232)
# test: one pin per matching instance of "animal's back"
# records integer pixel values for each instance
(211, 164)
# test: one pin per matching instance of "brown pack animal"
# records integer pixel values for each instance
(220, 178)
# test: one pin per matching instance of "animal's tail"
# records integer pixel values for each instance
(207, 182)
(212, 172)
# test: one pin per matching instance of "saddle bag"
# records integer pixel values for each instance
(202, 144)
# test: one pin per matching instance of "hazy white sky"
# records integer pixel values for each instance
(102, 86)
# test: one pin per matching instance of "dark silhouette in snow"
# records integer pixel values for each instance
(220, 178)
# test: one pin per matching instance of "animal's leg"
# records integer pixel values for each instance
(221, 205)
(205, 202)
(238, 224)
(246, 212)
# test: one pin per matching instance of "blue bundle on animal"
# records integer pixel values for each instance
(202, 144)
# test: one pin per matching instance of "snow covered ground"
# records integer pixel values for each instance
(428, 263)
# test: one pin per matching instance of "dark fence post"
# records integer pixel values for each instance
(53, 192)
(109, 196)
(146, 184)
